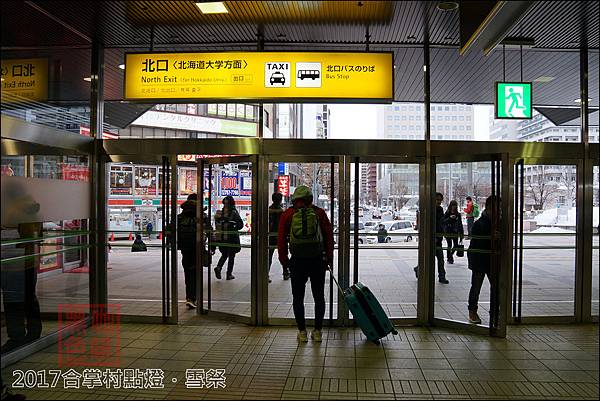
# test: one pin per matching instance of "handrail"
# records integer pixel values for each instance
(35, 255)
(42, 239)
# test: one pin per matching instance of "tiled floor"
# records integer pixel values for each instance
(534, 362)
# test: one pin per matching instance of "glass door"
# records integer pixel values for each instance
(227, 198)
(384, 236)
(283, 176)
(545, 227)
(469, 242)
(140, 249)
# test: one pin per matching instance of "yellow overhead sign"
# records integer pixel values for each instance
(259, 76)
(25, 79)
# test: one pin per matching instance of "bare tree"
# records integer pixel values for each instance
(539, 187)
(460, 193)
(568, 180)
(399, 192)
(481, 189)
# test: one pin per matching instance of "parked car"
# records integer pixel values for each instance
(376, 214)
(397, 231)
(370, 225)
(362, 233)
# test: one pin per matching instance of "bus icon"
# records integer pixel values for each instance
(306, 74)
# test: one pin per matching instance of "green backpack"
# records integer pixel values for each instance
(475, 210)
(306, 240)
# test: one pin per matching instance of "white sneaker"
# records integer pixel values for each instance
(316, 336)
(302, 337)
(190, 304)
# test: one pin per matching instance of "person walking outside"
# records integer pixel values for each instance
(228, 222)
(381, 234)
(479, 255)
(149, 228)
(275, 212)
(439, 235)
(309, 233)
(472, 212)
(186, 243)
(454, 229)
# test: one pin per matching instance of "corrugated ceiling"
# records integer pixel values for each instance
(310, 25)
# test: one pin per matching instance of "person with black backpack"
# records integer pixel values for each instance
(275, 212)
(228, 222)
(309, 233)
(186, 243)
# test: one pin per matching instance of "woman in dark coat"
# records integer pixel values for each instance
(228, 222)
(453, 226)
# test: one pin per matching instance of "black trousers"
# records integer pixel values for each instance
(188, 260)
(452, 243)
(227, 254)
(21, 306)
(301, 270)
(476, 283)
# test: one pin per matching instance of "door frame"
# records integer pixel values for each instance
(201, 165)
(502, 285)
(578, 283)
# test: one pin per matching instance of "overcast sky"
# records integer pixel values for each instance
(360, 121)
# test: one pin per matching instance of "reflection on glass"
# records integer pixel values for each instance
(284, 178)
(387, 234)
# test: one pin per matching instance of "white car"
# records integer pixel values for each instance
(371, 225)
(362, 233)
(376, 214)
(397, 231)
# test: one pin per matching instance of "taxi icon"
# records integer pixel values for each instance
(277, 77)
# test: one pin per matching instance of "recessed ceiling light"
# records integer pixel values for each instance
(578, 100)
(411, 37)
(122, 66)
(88, 79)
(447, 5)
(544, 79)
(212, 7)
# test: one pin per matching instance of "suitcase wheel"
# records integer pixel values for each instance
(376, 342)
(394, 332)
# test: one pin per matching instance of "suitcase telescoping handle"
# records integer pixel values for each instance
(336, 283)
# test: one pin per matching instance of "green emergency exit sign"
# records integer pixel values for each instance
(513, 100)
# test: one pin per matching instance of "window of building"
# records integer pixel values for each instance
(468, 118)
(396, 108)
(453, 108)
(404, 118)
(468, 127)
(446, 108)
(397, 118)
(454, 128)
(403, 108)
(411, 118)
(453, 118)
(249, 112)
(411, 108)
(390, 118)
(240, 111)
(461, 118)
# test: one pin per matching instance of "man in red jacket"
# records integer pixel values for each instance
(308, 231)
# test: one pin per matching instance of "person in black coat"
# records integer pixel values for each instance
(228, 222)
(453, 228)
(480, 256)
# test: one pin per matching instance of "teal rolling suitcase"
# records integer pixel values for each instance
(367, 311)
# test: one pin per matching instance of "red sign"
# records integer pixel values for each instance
(191, 158)
(283, 185)
(74, 172)
(85, 131)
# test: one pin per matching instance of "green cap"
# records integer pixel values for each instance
(302, 192)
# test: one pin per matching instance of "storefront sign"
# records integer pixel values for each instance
(259, 75)
(229, 184)
(246, 183)
(283, 185)
(27, 78)
(191, 158)
(186, 122)
(513, 100)
(85, 131)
